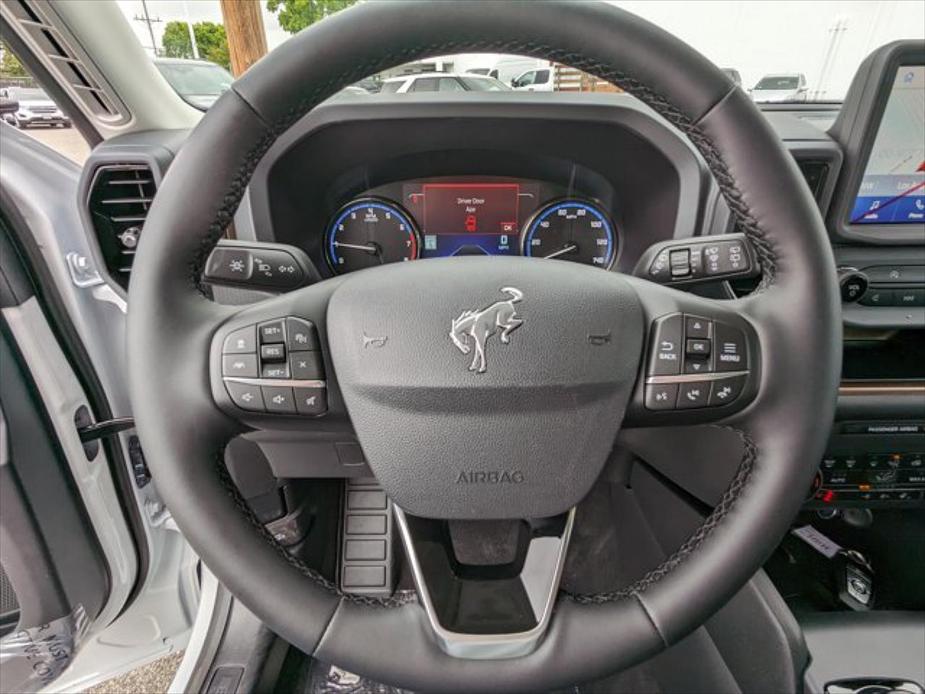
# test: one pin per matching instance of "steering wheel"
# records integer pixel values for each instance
(561, 356)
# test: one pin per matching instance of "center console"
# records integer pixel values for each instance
(877, 224)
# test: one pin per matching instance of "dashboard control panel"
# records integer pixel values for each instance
(275, 367)
(869, 479)
(695, 362)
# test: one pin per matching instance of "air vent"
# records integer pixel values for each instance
(815, 172)
(38, 28)
(120, 197)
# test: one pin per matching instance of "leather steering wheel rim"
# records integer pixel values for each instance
(171, 325)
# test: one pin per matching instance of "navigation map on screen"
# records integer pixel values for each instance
(892, 190)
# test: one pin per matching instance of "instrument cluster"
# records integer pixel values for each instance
(442, 217)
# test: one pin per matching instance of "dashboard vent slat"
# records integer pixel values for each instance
(120, 196)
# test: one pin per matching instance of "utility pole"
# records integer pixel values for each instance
(247, 42)
(150, 22)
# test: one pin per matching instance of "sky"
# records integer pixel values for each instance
(756, 37)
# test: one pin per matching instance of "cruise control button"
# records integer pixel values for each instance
(665, 354)
(661, 396)
(275, 371)
(240, 365)
(241, 341)
(273, 352)
(695, 327)
(726, 390)
(302, 335)
(272, 332)
(693, 394)
(311, 401)
(731, 353)
(245, 396)
(306, 366)
(278, 399)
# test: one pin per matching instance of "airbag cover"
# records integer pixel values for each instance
(524, 432)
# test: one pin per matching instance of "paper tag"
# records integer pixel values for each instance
(819, 542)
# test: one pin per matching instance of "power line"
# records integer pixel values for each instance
(147, 19)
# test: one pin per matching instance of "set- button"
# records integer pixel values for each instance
(275, 367)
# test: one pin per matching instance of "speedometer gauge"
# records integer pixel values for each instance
(369, 232)
(571, 230)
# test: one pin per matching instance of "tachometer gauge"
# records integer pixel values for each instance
(571, 230)
(369, 232)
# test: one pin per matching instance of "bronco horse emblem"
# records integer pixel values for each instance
(477, 326)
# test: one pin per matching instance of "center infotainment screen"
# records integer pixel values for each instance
(892, 190)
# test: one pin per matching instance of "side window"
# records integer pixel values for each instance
(391, 87)
(450, 84)
(28, 107)
(526, 79)
(542, 77)
(428, 84)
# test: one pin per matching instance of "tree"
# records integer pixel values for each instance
(210, 40)
(9, 63)
(295, 15)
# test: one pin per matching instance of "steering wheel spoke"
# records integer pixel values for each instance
(702, 360)
(483, 611)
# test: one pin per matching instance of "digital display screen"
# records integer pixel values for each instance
(463, 217)
(892, 190)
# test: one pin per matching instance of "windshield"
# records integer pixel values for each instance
(778, 83)
(484, 84)
(196, 79)
(804, 51)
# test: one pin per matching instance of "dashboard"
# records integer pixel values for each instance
(600, 179)
(578, 178)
